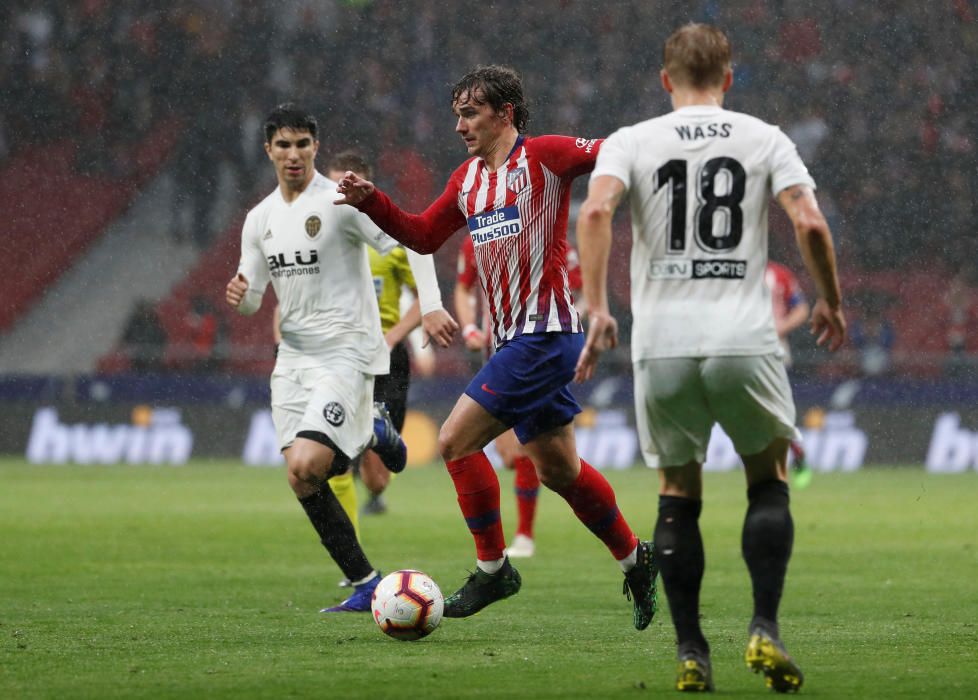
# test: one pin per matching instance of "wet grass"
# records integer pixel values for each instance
(204, 581)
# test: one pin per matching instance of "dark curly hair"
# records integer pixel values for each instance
(498, 85)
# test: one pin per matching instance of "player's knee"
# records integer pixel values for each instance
(294, 482)
(304, 469)
(557, 475)
(683, 482)
(449, 444)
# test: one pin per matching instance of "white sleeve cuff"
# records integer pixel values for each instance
(250, 303)
(423, 269)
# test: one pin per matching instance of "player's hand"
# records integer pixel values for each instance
(236, 290)
(474, 338)
(354, 189)
(602, 334)
(392, 338)
(440, 327)
(828, 325)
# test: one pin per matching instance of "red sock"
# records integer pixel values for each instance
(478, 497)
(527, 487)
(593, 501)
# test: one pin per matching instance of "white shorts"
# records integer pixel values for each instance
(677, 401)
(337, 401)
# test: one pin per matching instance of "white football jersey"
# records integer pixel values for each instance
(700, 180)
(314, 254)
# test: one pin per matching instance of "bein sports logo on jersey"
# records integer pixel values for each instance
(664, 269)
(494, 225)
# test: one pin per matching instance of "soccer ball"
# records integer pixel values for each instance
(407, 605)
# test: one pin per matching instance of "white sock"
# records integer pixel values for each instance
(490, 567)
(366, 578)
(629, 561)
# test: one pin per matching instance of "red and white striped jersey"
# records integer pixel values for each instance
(517, 220)
(468, 275)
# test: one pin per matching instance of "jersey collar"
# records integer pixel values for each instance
(317, 177)
(699, 109)
(516, 146)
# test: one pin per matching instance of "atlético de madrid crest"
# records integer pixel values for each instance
(516, 179)
(313, 225)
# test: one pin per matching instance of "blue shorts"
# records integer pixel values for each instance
(524, 384)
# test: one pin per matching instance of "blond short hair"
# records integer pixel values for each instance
(697, 55)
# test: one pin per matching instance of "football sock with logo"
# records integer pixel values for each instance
(593, 502)
(346, 493)
(478, 496)
(679, 553)
(527, 487)
(766, 544)
(336, 533)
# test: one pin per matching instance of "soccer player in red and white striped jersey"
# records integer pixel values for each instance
(513, 194)
(468, 301)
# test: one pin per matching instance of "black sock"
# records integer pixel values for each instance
(766, 544)
(336, 532)
(679, 552)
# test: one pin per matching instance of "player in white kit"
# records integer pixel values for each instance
(315, 256)
(704, 345)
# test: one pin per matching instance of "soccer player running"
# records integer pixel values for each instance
(314, 254)
(391, 271)
(526, 483)
(791, 309)
(704, 345)
(513, 194)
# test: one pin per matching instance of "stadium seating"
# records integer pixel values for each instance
(52, 213)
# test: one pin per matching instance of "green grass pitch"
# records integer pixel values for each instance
(204, 581)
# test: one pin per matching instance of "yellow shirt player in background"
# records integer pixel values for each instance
(391, 274)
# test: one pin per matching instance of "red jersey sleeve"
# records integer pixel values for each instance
(424, 232)
(468, 274)
(566, 156)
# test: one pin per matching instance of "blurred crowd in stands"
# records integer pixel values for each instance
(880, 98)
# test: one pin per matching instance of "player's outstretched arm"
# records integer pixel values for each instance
(594, 247)
(423, 233)
(828, 323)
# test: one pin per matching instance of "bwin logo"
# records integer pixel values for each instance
(161, 440)
(277, 262)
(953, 448)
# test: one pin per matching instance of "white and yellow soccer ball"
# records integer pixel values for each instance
(407, 605)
